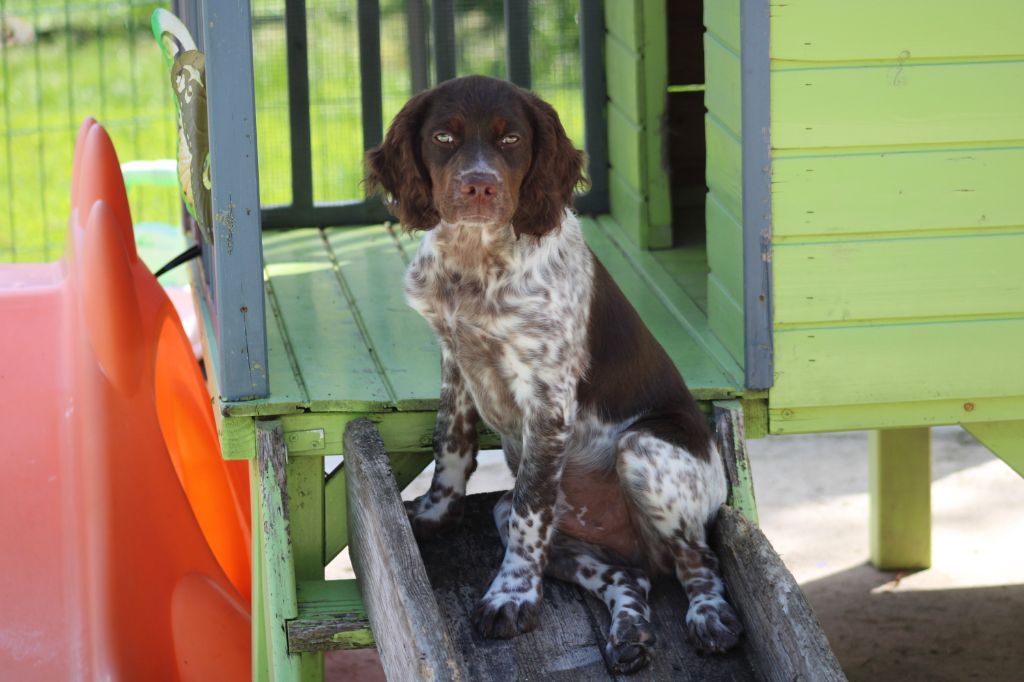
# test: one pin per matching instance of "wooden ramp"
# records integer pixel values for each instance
(419, 600)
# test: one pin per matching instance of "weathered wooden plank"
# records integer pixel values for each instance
(783, 637)
(899, 278)
(286, 385)
(731, 437)
(258, 605)
(568, 645)
(1004, 438)
(722, 18)
(278, 569)
(724, 170)
(834, 30)
(900, 484)
(897, 104)
(328, 344)
(930, 190)
(331, 615)
(722, 73)
(372, 271)
(413, 640)
(893, 415)
(965, 360)
(623, 74)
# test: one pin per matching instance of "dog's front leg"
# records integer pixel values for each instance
(512, 604)
(455, 450)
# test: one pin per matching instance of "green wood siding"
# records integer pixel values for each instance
(723, 210)
(637, 77)
(898, 227)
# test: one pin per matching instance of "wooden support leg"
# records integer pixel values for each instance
(277, 565)
(900, 485)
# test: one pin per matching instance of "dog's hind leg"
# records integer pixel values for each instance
(677, 494)
(623, 589)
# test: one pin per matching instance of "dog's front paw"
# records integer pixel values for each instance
(713, 625)
(628, 647)
(432, 514)
(502, 615)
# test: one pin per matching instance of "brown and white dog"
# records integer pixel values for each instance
(617, 475)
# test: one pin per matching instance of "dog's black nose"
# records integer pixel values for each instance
(479, 186)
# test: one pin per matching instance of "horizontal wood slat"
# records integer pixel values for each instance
(897, 104)
(935, 190)
(832, 30)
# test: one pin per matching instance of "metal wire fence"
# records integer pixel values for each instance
(63, 60)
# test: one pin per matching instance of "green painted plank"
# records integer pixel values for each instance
(835, 30)
(724, 167)
(329, 346)
(258, 606)
(725, 248)
(306, 515)
(373, 271)
(1005, 439)
(732, 444)
(621, 20)
(898, 278)
(626, 148)
(900, 483)
(655, 85)
(722, 77)
(928, 190)
(628, 208)
(722, 18)
(965, 360)
(673, 318)
(335, 514)
(286, 385)
(785, 420)
(623, 68)
(897, 105)
(725, 317)
(688, 266)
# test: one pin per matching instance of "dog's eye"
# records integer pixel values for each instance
(509, 140)
(444, 138)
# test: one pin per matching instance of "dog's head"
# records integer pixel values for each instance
(477, 150)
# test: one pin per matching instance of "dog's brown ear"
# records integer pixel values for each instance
(556, 171)
(396, 170)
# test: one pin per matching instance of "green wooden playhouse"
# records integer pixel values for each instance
(812, 203)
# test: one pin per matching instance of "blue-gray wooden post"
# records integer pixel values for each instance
(757, 194)
(238, 253)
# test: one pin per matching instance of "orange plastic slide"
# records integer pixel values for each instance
(124, 537)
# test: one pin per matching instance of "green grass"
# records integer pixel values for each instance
(100, 60)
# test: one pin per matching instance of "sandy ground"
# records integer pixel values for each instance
(959, 620)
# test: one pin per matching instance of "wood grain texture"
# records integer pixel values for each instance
(783, 637)
(875, 280)
(902, 103)
(924, 191)
(331, 615)
(278, 567)
(568, 645)
(731, 437)
(966, 360)
(835, 30)
(412, 638)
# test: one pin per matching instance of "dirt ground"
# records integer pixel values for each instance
(959, 620)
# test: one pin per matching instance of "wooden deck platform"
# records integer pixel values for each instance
(342, 342)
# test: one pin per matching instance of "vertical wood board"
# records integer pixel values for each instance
(722, 76)
(722, 18)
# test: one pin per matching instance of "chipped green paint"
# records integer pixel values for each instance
(354, 639)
